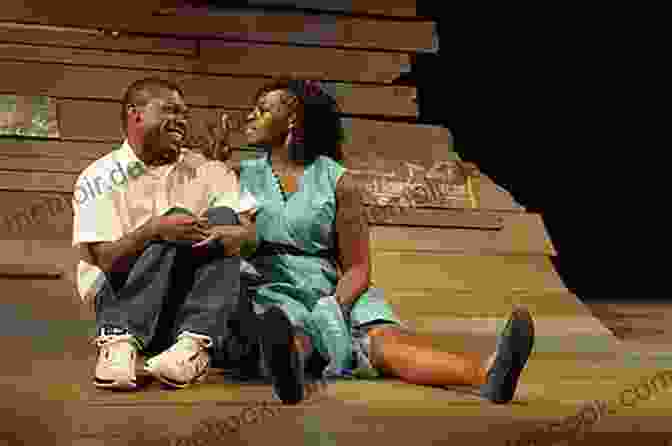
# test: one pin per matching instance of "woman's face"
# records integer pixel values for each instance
(269, 122)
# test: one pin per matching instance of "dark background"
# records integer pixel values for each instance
(534, 102)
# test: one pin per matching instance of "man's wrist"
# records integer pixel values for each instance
(147, 233)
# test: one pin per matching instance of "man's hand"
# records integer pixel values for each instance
(231, 236)
(178, 227)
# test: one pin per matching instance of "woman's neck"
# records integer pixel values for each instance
(280, 156)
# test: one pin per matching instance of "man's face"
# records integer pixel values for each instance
(269, 121)
(164, 126)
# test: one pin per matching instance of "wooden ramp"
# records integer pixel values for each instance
(453, 264)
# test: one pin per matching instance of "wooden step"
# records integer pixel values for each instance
(441, 271)
(517, 234)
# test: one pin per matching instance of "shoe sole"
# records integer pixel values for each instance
(114, 385)
(175, 384)
(280, 356)
(521, 325)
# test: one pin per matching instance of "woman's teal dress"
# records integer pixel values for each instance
(297, 282)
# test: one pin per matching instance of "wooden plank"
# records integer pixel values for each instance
(93, 39)
(232, 58)
(37, 10)
(34, 254)
(325, 30)
(481, 273)
(36, 152)
(36, 181)
(520, 234)
(43, 164)
(30, 271)
(68, 157)
(419, 303)
(57, 158)
(291, 28)
(39, 216)
(434, 177)
(397, 8)
(78, 82)
(38, 252)
(403, 217)
(99, 121)
(71, 157)
(219, 56)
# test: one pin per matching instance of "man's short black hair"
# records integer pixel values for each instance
(141, 92)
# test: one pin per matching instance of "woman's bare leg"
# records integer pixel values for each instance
(303, 344)
(412, 358)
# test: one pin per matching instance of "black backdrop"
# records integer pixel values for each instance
(527, 99)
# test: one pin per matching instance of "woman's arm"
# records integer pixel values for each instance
(352, 236)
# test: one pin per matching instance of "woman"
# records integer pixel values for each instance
(311, 225)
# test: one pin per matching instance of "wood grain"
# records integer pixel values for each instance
(79, 82)
(391, 216)
(93, 39)
(99, 121)
(231, 58)
(396, 8)
(518, 234)
(327, 30)
(68, 158)
(38, 216)
(482, 273)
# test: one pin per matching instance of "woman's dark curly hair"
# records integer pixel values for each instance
(322, 126)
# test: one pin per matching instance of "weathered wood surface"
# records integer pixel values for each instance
(35, 216)
(80, 82)
(231, 58)
(99, 121)
(396, 8)
(53, 166)
(515, 234)
(481, 273)
(327, 30)
(60, 174)
(93, 39)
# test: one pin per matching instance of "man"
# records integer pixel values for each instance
(151, 286)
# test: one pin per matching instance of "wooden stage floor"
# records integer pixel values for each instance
(48, 398)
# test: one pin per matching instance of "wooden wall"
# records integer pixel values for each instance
(84, 61)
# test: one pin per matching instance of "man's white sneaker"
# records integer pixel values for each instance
(183, 364)
(115, 368)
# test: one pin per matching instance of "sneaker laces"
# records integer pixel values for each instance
(188, 344)
(109, 346)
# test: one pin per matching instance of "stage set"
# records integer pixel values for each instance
(452, 250)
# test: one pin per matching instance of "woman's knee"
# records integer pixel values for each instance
(385, 332)
(222, 215)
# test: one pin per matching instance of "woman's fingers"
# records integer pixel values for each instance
(206, 241)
